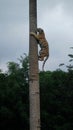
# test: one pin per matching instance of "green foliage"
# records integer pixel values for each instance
(56, 96)
(14, 103)
(56, 100)
(70, 66)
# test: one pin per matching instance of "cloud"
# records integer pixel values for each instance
(13, 26)
(54, 16)
(58, 25)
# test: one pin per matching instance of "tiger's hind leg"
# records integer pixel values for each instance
(41, 56)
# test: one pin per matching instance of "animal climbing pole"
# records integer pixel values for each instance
(34, 94)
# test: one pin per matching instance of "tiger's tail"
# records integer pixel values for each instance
(44, 62)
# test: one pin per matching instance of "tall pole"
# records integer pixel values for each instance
(34, 94)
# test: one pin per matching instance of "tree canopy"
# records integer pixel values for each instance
(56, 94)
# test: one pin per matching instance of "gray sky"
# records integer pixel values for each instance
(54, 16)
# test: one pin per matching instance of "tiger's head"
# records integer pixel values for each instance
(40, 30)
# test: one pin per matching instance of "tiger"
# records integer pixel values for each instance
(39, 35)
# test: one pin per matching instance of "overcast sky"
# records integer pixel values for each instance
(54, 16)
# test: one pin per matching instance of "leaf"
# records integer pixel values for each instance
(71, 60)
(71, 47)
(70, 66)
(61, 64)
(70, 55)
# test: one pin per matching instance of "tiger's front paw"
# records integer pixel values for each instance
(31, 33)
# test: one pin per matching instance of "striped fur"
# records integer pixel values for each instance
(44, 52)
